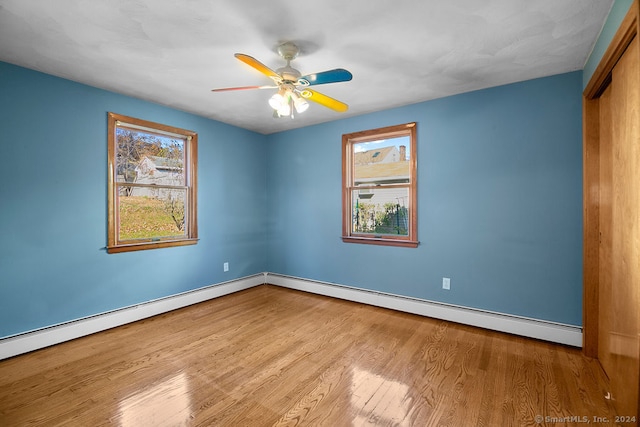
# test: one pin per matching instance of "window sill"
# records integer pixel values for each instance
(381, 241)
(130, 247)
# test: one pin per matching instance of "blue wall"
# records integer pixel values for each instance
(53, 205)
(499, 204)
(499, 199)
(615, 17)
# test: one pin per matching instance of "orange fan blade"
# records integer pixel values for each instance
(324, 100)
(251, 61)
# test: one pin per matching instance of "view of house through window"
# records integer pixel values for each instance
(379, 186)
(152, 191)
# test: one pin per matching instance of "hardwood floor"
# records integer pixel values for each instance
(270, 356)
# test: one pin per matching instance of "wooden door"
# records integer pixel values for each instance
(611, 321)
(623, 341)
(605, 225)
(619, 231)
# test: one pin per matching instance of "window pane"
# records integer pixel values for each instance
(152, 213)
(380, 211)
(147, 158)
(382, 162)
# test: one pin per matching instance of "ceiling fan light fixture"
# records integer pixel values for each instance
(279, 99)
(299, 103)
(281, 103)
(284, 110)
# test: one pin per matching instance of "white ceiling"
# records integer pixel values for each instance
(400, 52)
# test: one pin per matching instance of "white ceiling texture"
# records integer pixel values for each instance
(400, 52)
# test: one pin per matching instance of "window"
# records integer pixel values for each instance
(379, 186)
(152, 185)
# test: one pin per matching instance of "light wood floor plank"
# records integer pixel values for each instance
(270, 356)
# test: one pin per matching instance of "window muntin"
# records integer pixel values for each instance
(152, 185)
(380, 187)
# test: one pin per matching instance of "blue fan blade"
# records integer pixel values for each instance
(331, 76)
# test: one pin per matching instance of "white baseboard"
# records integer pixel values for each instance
(34, 340)
(533, 328)
(523, 326)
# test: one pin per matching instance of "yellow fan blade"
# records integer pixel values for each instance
(324, 100)
(251, 61)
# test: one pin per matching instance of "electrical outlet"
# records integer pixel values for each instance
(446, 283)
(225, 267)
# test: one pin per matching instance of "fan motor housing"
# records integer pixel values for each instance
(289, 73)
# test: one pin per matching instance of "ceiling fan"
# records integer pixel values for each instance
(293, 87)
